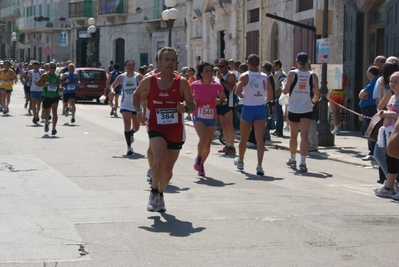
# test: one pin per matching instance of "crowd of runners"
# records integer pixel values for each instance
(160, 97)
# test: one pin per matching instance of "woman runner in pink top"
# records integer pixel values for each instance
(207, 94)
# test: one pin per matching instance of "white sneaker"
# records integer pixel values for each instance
(335, 132)
(368, 157)
(153, 202)
(238, 163)
(383, 192)
(259, 171)
(129, 151)
(291, 163)
(396, 196)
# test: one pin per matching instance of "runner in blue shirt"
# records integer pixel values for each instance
(114, 98)
(70, 82)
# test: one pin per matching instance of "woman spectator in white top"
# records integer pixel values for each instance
(300, 84)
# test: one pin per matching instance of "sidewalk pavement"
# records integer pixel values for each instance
(350, 147)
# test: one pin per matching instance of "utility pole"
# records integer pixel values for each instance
(326, 138)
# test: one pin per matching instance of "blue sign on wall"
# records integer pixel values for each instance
(63, 39)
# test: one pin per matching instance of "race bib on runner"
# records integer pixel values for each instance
(71, 87)
(206, 112)
(167, 115)
(4, 81)
(52, 87)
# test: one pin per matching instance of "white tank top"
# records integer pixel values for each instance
(300, 101)
(33, 77)
(255, 92)
(129, 85)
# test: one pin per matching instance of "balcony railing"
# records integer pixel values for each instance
(106, 7)
(82, 10)
(9, 12)
(29, 23)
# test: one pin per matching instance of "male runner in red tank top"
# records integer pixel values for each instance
(167, 93)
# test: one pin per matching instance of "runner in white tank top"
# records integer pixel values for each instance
(35, 91)
(300, 107)
(129, 81)
(300, 101)
(129, 84)
(255, 88)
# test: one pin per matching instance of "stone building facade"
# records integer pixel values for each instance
(132, 30)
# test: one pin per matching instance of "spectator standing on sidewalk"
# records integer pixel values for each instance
(300, 83)
(279, 76)
(338, 96)
(368, 106)
(390, 117)
(379, 92)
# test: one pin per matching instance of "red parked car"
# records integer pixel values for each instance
(92, 83)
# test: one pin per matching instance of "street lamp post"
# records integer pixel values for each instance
(170, 15)
(91, 29)
(13, 40)
(326, 138)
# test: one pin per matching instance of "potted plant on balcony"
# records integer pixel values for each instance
(49, 24)
(46, 18)
(40, 18)
(62, 19)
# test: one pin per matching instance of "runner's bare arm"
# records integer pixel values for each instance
(185, 90)
(222, 99)
(316, 88)
(242, 82)
(109, 75)
(115, 84)
(290, 77)
(230, 82)
(269, 88)
(143, 88)
(41, 82)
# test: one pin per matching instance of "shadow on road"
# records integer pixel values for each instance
(211, 182)
(174, 189)
(134, 156)
(172, 226)
(254, 177)
(70, 125)
(322, 175)
(47, 136)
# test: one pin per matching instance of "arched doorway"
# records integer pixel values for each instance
(120, 52)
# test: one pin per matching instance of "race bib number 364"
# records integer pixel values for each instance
(167, 115)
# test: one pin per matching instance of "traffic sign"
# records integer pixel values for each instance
(47, 50)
